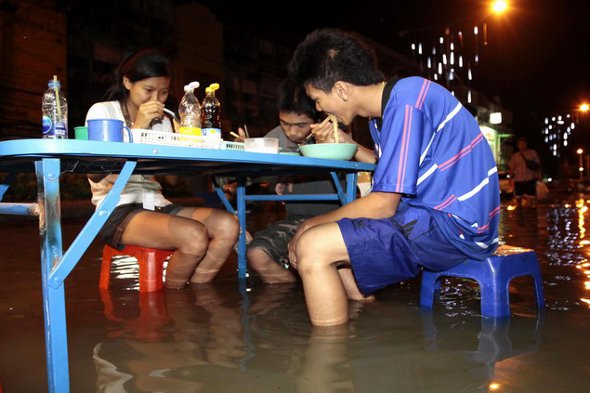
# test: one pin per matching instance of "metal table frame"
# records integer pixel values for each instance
(51, 158)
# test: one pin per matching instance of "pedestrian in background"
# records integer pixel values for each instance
(525, 170)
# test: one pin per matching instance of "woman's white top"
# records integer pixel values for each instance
(142, 189)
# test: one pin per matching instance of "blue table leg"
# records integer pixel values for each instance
(241, 208)
(48, 172)
(6, 184)
(70, 258)
(351, 179)
(241, 198)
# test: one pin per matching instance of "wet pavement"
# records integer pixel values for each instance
(217, 339)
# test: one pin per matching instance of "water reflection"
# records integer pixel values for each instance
(557, 232)
(498, 339)
(263, 342)
(219, 339)
(181, 341)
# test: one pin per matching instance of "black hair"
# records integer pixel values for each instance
(146, 63)
(326, 56)
(292, 98)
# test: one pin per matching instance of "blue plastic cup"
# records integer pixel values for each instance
(108, 130)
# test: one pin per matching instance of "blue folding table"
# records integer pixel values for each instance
(49, 159)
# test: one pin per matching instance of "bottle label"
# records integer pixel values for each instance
(61, 129)
(190, 131)
(48, 130)
(212, 132)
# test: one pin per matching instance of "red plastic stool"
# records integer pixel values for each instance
(151, 264)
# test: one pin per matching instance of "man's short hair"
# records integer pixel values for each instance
(326, 56)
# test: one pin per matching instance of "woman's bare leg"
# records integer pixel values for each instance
(189, 239)
(223, 229)
(201, 237)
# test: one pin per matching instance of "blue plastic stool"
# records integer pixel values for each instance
(493, 276)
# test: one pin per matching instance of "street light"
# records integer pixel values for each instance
(499, 6)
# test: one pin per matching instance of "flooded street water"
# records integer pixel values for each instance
(217, 338)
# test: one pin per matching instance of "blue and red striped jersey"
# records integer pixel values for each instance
(431, 150)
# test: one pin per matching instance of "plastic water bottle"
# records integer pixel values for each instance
(211, 113)
(54, 107)
(189, 111)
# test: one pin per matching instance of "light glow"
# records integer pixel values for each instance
(494, 386)
(499, 6)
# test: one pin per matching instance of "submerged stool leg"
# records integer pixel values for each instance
(428, 288)
(105, 270)
(535, 271)
(151, 270)
(495, 297)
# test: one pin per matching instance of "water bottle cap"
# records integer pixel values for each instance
(191, 86)
(214, 86)
(53, 84)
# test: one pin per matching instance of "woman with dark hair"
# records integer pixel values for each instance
(201, 237)
(138, 92)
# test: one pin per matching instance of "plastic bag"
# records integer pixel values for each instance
(542, 191)
(532, 165)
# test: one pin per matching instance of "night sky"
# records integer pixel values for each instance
(536, 59)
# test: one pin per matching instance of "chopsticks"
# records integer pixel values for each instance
(169, 112)
(327, 119)
(334, 121)
(235, 135)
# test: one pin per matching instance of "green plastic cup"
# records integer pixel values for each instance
(81, 132)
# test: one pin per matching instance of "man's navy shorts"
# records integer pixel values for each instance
(390, 250)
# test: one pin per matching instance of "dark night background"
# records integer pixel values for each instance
(535, 64)
(537, 58)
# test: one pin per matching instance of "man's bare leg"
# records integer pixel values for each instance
(325, 293)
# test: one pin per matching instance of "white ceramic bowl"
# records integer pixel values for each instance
(333, 151)
(262, 145)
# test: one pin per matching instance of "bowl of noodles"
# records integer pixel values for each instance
(330, 151)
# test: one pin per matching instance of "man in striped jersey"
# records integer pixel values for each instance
(435, 199)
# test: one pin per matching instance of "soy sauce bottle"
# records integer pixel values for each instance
(211, 113)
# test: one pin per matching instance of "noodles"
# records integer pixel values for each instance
(334, 121)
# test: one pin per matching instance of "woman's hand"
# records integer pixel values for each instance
(147, 112)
